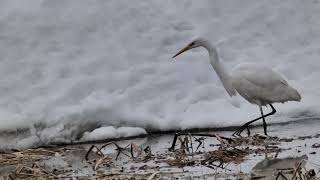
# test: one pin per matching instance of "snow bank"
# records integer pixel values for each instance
(70, 67)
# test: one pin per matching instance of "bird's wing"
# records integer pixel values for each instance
(260, 75)
(262, 85)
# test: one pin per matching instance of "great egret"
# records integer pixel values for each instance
(257, 84)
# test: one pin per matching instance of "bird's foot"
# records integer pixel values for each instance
(239, 131)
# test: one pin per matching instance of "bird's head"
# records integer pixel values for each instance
(197, 42)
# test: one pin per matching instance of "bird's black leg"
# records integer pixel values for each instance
(248, 130)
(243, 127)
(264, 122)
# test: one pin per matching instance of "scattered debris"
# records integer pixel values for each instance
(103, 159)
(26, 163)
(199, 140)
(316, 145)
(224, 156)
(28, 155)
(187, 150)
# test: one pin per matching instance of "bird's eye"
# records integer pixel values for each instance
(191, 44)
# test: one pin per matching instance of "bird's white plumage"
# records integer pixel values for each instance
(257, 83)
(262, 85)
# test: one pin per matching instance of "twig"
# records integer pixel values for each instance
(296, 171)
(90, 149)
(280, 174)
(220, 140)
(100, 161)
(176, 135)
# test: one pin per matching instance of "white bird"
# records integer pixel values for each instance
(256, 83)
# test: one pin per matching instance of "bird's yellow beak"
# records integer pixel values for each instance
(182, 50)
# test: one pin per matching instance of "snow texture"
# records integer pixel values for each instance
(71, 67)
(110, 132)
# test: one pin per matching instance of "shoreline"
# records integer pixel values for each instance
(151, 133)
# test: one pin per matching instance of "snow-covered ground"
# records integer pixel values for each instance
(70, 67)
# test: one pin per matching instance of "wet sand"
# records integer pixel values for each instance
(149, 157)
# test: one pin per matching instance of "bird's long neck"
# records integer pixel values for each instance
(221, 71)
